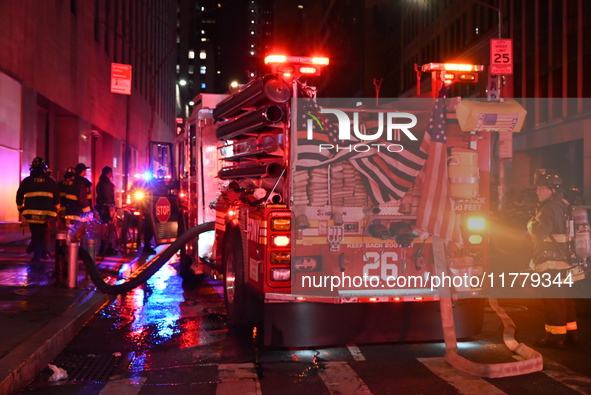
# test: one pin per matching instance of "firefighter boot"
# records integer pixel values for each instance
(551, 341)
(572, 337)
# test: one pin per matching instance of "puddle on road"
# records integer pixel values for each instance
(161, 315)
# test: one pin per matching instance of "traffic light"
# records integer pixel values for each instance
(180, 126)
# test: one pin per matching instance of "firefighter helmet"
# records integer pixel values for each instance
(547, 178)
(38, 163)
(70, 173)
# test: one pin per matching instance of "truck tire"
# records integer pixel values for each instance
(234, 285)
(186, 261)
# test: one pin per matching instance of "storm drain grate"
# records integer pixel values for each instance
(95, 368)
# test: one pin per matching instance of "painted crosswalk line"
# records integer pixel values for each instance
(341, 379)
(237, 379)
(463, 382)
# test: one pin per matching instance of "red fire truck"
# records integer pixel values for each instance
(289, 224)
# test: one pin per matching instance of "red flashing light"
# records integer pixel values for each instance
(275, 59)
(451, 67)
(308, 70)
(295, 66)
(318, 60)
(467, 77)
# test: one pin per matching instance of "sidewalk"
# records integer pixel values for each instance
(39, 318)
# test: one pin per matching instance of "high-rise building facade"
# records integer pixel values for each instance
(55, 86)
(221, 43)
(551, 53)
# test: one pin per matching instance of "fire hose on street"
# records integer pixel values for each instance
(530, 360)
(144, 273)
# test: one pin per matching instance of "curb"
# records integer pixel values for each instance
(23, 364)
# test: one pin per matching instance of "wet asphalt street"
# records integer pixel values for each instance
(163, 338)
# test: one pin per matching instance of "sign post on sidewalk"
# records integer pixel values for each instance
(121, 83)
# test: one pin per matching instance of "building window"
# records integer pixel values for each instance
(203, 85)
(202, 54)
(202, 69)
(191, 54)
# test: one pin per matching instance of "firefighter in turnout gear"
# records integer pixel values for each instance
(74, 203)
(38, 201)
(551, 256)
(80, 178)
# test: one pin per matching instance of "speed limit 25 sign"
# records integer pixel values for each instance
(501, 56)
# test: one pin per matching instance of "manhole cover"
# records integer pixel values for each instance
(19, 306)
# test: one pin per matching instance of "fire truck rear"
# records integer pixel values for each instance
(301, 242)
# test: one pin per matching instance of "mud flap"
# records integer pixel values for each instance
(532, 359)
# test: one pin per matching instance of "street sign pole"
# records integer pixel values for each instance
(501, 63)
(121, 84)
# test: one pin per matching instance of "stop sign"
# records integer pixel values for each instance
(162, 209)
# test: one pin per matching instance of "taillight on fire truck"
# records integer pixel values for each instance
(475, 228)
(475, 235)
(280, 241)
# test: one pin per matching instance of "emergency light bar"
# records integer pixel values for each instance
(295, 66)
(309, 60)
(429, 67)
(450, 73)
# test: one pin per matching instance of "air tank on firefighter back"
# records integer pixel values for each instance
(582, 232)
